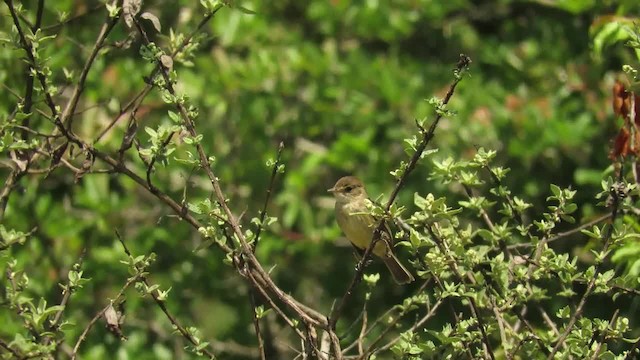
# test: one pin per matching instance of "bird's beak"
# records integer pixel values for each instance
(332, 190)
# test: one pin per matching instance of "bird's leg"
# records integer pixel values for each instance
(358, 254)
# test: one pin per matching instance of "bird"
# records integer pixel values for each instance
(358, 225)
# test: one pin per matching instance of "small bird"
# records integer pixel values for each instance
(358, 225)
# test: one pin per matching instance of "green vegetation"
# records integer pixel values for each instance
(164, 170)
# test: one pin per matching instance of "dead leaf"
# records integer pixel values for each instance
(620, 144)
(130, 8)
(154, 20)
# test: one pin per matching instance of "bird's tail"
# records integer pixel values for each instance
(400, 274)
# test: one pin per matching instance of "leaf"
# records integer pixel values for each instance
(166, 61)
(610, 33)
(245, 10)
(621, 100)
(620, 144)
(130, 8)
(114, 319)
(129, 136)
(57, 155)
(20, 163)
(154, 20)
(151, 132)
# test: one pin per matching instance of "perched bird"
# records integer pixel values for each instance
(358, 225)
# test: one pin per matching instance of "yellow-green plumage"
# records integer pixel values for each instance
(358, 226)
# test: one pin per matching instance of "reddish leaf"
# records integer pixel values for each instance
(620, 144)
(621, 101)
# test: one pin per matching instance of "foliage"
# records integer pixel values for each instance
(164, 170)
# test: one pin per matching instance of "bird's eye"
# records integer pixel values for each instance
(348, 189)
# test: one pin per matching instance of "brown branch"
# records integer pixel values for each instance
(256, 325)
(603, 336)
(363, 328)
(263, 213)
(41, 77)
(6, 346)
(462, 67)
(9, 184)
(539, 341)
(132, 104)
(274, 306)
(496, 181)
(489, 223)
(630, 354)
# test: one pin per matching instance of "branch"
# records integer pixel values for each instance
(6, 346)
(256, 325)
(161, 305)
(85, 332)
(67, 114)
(564, 234)
(462, 67)
(606, 239)
(65, 298)
(263, 213)
(28, 96)
(231, 219)
(472, 304)
(417, 325)
(9, 184)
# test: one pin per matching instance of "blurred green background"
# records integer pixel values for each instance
(340, 83)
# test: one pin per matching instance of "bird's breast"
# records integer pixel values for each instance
(357, 226)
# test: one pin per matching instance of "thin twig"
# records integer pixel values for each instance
(54, 27)
(363, 328)
(28, 96)
(564, 234)
(14, 352)
(256, 325)
(263, 213)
